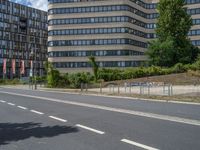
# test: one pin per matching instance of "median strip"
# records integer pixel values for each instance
(59, 119)
(138, 144)
(90, 129)
(37, 112)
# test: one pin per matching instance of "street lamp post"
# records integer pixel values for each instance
(33, 69)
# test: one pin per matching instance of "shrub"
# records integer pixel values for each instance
(179, 68)
(76, 79)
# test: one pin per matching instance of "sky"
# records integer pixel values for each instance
(39, 4)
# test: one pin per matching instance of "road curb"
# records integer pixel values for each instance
(109, 96)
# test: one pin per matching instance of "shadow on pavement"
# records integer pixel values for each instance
(19, 131)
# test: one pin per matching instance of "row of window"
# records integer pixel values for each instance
(101, 64)
(16, 20)
(96, 31)
(97, 42)
(101, 9)
(138, 2)
(22, 11)
(94, 53)
(192, 1)
(195, 21)
(196, 42)
(71, 1)
(96, 20)
(194, 32)
(193, 11)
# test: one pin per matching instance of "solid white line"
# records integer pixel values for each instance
(11, 104)
(119, 110)
(90, 129)
(37, 112)
(48, 90)
(2, 101)
(138, 144)
(22, 107)
(56, 118)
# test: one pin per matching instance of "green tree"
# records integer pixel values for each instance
(95, 67)
(53, 75)
(173, 45)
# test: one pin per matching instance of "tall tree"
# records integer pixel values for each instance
(173, 45)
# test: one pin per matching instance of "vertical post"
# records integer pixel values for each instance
(171, 90)
(86, 87)
(140, 89)
(169, 93)
(113, 88)
(118, 89)
(130, 89)
(101, 87)
(35, 71)
(148, 89)
(81, 87)
(164, 89)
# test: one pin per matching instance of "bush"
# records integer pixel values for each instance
(76, 79)
(179, 68)
(9, 81)
(55, 79)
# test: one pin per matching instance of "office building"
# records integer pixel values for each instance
(23, 40)
(116, 32)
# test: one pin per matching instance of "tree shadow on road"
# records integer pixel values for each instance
(19, 131)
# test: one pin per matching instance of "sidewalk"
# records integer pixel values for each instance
(194, 100)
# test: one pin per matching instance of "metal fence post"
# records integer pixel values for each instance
(141, 90)
(171, 89)
(81, 87)
(148, 89)
(169, 93)
(101, 88)
(118, 89)
(86, 87)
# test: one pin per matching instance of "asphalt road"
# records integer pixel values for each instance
(31, 120)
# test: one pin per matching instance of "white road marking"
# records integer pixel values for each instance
(90, 129)
(37, 112)
(11, 104)
(22, 107)
(138, 144)
(59, 119)
(47, 90)
(119, 110)
(2, 101)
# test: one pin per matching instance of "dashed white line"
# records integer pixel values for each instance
(37, 112)
(59, 119)
(22, 107)
(138, 144)
(11, 104)
(119, 110)
(2, 101)
(90, 129)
